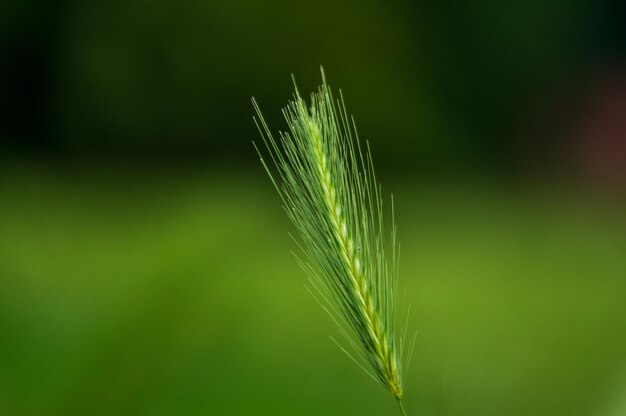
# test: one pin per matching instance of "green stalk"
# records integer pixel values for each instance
(401, 406)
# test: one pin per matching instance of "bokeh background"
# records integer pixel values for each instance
(144, 257)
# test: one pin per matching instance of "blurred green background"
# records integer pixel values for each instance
(145, 266)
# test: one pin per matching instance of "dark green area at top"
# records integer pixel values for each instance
(432, 85)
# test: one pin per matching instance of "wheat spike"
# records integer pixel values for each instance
(330, 193)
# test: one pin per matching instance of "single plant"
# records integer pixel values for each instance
(329, 190)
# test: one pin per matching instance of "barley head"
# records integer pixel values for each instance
(325, 178)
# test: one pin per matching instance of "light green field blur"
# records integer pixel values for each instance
(176, 294)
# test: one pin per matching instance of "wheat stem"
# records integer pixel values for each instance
(401, 406)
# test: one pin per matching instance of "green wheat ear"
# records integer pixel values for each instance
(329, 190)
